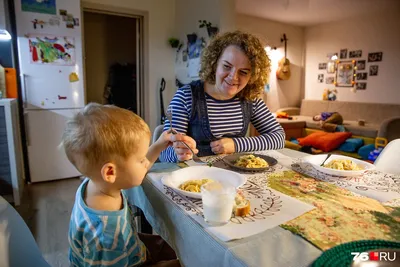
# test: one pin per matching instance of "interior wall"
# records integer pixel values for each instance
(108, 40)
(159, 19)
(369, 33)
(282, 93)
(219, 12)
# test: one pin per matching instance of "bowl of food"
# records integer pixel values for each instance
(249, 162)
(338, 165)
(188, 181)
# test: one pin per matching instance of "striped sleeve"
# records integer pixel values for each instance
(180, 105)
(272, 135)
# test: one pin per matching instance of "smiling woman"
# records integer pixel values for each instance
(214, 113)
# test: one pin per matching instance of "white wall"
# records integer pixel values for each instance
(282, 93)
(160, 26)
(373, 33)
(220, 13)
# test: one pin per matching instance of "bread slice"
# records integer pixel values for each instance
(242, 205)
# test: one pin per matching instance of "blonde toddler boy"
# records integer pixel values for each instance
(110, 146)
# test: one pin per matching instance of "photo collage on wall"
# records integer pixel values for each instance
(363, 67)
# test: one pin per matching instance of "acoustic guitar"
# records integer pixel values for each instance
(283, 72)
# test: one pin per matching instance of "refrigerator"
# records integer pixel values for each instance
(51, 72)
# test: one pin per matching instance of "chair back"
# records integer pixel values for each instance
(389, 159)
(157, 132)
(17, 244)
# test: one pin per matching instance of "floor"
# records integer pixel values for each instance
(46, 208)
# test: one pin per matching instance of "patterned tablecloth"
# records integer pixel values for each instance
(269, 208)
(274, 203)
(197, 247)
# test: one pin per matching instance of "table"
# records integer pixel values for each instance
(17, 244)
(196, 247)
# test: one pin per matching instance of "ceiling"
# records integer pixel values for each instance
(312, 12)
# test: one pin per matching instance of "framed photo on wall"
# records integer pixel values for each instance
(343, 53)
(361, 86)
(355, 53)
(373, 70)
(330, 67)
(374, 57)
(360, 65)
(345, 74)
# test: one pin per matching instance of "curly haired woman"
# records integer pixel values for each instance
(214, 113)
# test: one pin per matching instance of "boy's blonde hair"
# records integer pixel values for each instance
(100, 134)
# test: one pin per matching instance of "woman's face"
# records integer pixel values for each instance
(233, 73)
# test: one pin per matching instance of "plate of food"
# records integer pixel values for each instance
(249, 162)
(338, 165)
(188, 181)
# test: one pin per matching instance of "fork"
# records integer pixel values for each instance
(168, 114)
(329, 155)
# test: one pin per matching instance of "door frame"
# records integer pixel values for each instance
(142, 68)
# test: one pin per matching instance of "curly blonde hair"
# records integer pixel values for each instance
(253, 49)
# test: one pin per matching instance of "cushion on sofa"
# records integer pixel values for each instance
(351, 145)
(324, 141)
(365, 150)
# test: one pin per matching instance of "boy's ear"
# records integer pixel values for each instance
(109, 172)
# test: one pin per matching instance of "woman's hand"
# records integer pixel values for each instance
(223, 146)
(180, 149)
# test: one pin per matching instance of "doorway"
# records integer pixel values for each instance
(113, 55)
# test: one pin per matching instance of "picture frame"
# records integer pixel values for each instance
(360, 64)
(345, 73)
(330, 80)
(361, 86)
(373, 70)
(322, 66)
(343, 53)
(362, 76)
(331, 67)
(355, 54)
(375, 57)
(320, 78)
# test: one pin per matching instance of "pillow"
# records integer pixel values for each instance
(365, 150)
(351, 145)
(324, 141)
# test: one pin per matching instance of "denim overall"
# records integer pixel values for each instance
(199, 125)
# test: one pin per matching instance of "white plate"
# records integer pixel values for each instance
(176, 178)
(316, 161)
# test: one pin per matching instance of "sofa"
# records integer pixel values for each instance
(381, 120)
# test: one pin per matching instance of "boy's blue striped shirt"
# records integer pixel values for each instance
(103, 238)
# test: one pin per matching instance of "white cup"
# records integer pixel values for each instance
(218, 200)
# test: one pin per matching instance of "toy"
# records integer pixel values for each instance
(332, 95)
(329, 95)
(283, 115)
(325, 94)
(380, 144)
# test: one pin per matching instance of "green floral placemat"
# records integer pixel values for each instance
(340, 215)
